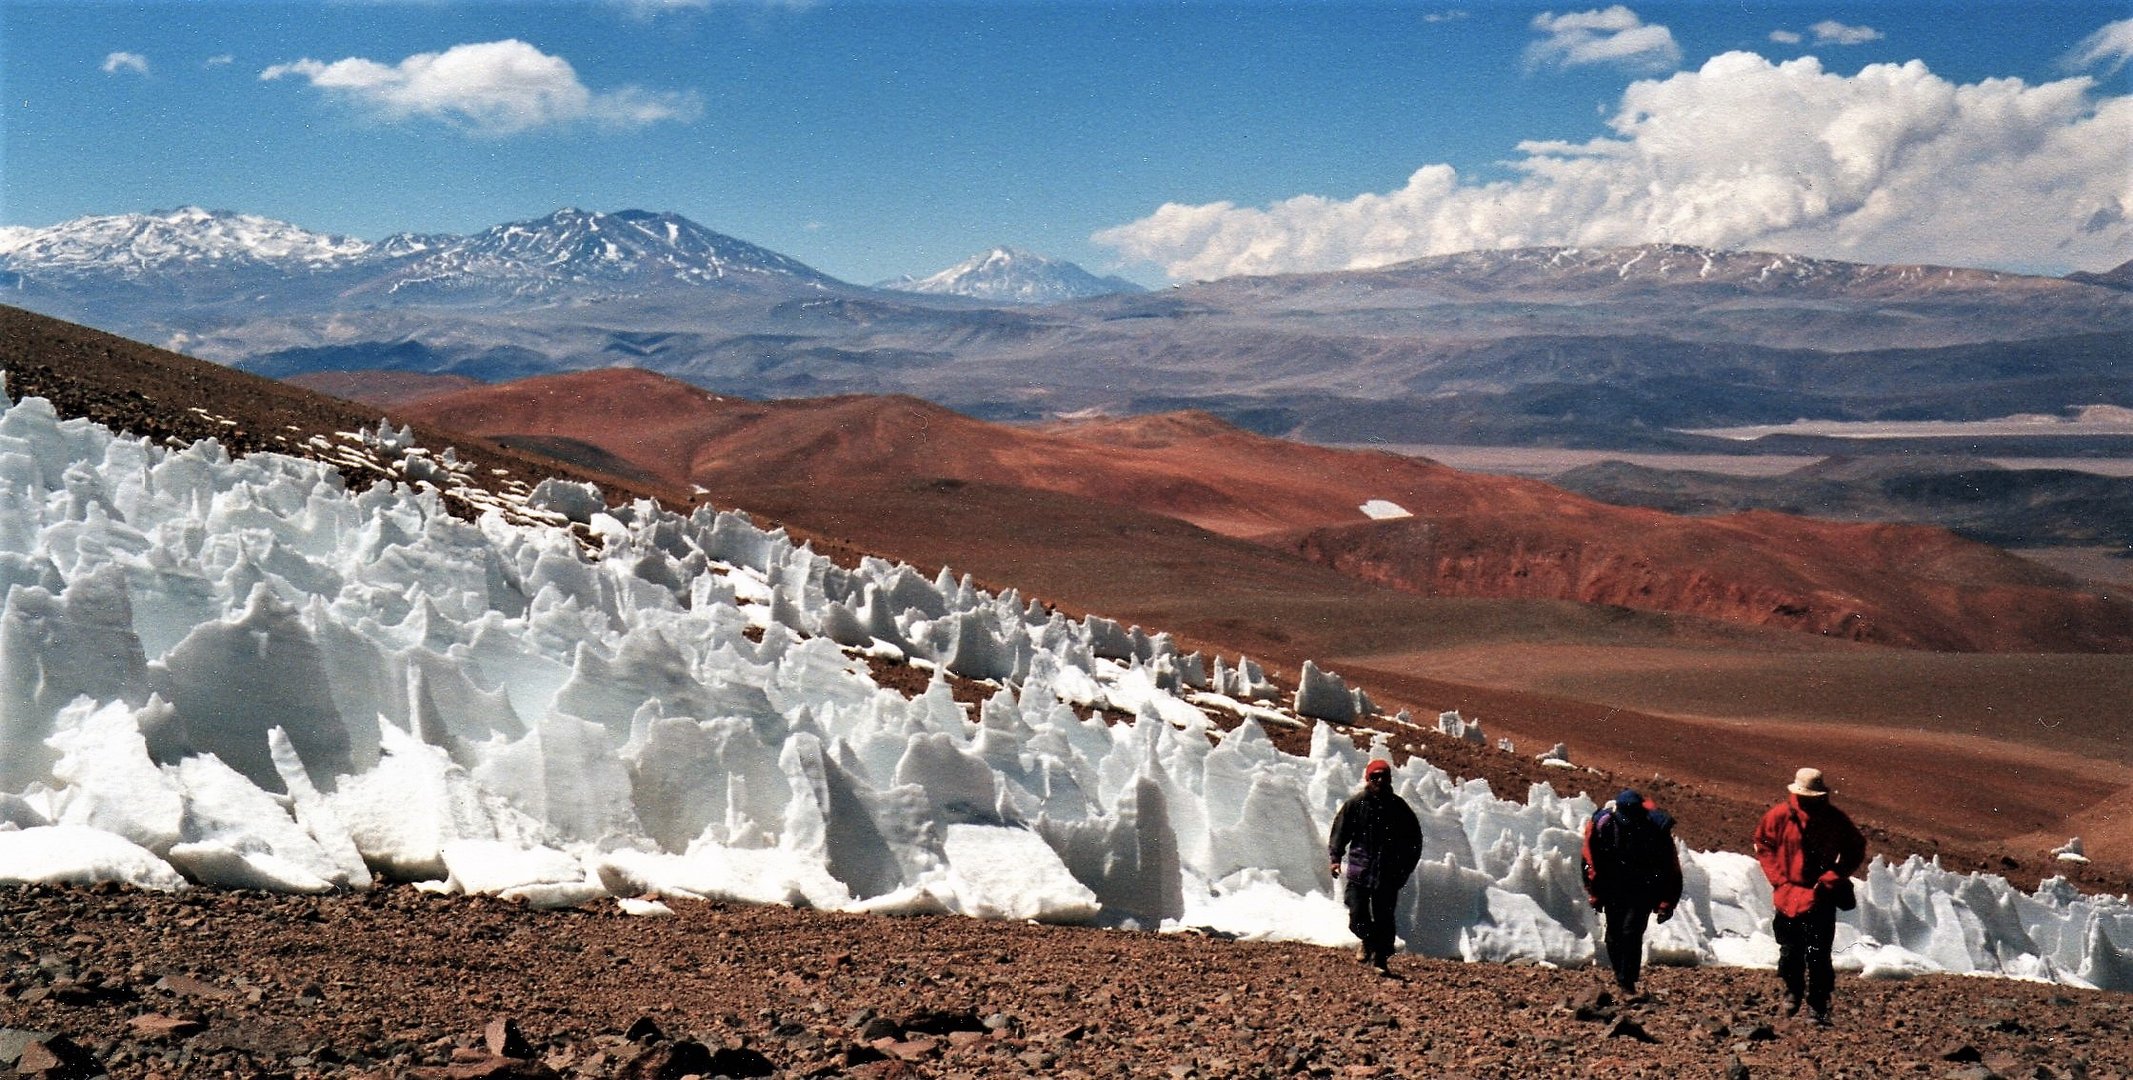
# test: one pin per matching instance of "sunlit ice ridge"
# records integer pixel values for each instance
(240, 673)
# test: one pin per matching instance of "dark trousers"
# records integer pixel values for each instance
(1625, 941)
(1370, 915)
(1803, 954)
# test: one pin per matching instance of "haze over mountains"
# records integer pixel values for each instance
(1611, 348)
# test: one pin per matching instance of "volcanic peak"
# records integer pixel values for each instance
(1014, 276)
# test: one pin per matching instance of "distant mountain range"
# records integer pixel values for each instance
(188, 240)
(571, 251)
(2015, 508)
(1013, 276)
(1615, 348)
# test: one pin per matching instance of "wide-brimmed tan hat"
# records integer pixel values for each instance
(1808, 782)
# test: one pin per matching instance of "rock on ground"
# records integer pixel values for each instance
(402, 983)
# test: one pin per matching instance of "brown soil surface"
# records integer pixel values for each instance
(399, 983)
(382, 388)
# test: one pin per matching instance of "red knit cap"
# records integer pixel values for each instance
(1376, 766)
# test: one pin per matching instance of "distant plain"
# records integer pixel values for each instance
(1542, 462)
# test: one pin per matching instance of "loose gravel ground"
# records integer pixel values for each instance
(403, 983)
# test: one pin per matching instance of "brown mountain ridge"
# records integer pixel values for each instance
(1470, 535)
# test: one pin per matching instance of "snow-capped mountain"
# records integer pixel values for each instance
(1684, 265)
(173, 241)
(572, 247)
(1014, 276)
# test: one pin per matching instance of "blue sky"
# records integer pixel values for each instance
(1168, 141)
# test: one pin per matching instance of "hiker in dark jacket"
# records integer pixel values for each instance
(1808, 850)
(1631, 873)
(1375, 845)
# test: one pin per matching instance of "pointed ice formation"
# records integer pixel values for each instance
(237, 673)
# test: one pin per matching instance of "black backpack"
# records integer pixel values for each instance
(1632, 851)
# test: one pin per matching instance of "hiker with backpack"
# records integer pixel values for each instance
(1375, 844)
(1632, 873)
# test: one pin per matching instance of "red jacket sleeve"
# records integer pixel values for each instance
(1585, 859)
(1769, 842)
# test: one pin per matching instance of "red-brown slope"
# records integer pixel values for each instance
(1471, 535)
(1487, 536)
(651, 422)
(685, 435)
(383, 388)
(1903, 585)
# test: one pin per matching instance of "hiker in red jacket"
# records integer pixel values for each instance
(1632, 872)
(1808, 849)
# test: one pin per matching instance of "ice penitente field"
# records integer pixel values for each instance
(238, 673)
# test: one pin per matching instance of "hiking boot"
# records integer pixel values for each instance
(1792, 1004)
(1821, 1016)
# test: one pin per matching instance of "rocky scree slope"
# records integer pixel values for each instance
(399, 983)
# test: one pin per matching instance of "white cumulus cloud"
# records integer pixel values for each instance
(491, 88)
(129, 63)
(1894, 164)
(1785, 37)
(1614, 35)
(1832, 32)
(2108, 48)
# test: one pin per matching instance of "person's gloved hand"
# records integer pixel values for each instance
(1665, 912)
(1594, 901)
(1828, 878)
(1336, 869)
